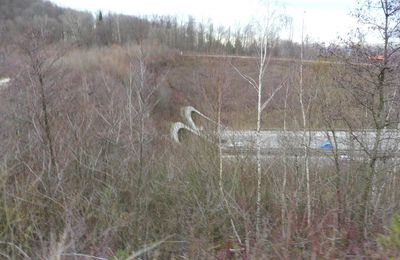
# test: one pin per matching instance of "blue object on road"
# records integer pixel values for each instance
(326, 145)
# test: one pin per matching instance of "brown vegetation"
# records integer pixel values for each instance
(87, 167)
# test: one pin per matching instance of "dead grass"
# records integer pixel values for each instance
(109, 201)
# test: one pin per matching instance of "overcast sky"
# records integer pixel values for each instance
(324, 19)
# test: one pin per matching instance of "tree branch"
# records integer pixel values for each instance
(264, 105)
(249, 79)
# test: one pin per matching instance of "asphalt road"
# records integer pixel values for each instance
(274, 141)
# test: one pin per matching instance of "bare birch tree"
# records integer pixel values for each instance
(267, 27)
(306, 136)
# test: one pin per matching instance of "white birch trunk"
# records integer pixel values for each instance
(305, 139)
(261, 72)
(283, 195)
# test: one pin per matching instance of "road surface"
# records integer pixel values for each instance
(274, 141)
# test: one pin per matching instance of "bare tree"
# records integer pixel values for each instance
(268, 28)
(140, 103)
(78, 27)
(305, 115)
(370, 76)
